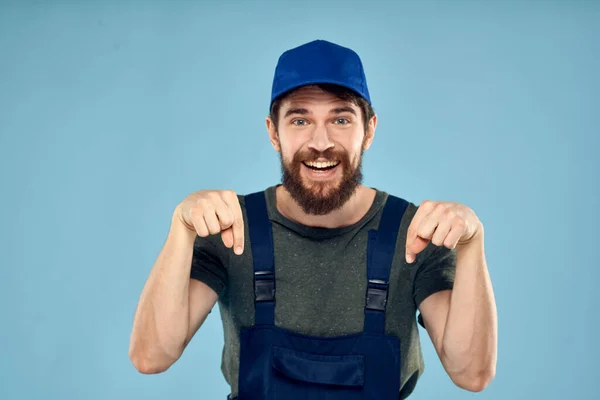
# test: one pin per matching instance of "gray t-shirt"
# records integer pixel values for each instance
(321, 283)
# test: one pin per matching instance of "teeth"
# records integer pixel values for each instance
(321, 164)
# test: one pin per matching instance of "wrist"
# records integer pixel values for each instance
(179, 228)
(474, 241)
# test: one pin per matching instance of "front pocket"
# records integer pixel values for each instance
(348, 371)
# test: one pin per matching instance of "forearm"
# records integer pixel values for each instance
(469, 346)
(161, 320)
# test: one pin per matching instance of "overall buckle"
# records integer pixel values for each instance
(264, 286)
(377, 294)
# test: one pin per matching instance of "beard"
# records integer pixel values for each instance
(321, 198)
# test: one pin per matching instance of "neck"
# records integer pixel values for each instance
(350, 213)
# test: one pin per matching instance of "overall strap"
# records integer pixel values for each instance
(261, 242)
(380, 254)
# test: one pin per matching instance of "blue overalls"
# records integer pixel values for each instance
(276, 363)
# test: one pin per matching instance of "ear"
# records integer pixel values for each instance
(370, 132)
(273, 136)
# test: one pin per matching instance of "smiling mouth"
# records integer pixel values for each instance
(321, 165)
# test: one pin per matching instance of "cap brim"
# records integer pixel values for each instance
(315, 81)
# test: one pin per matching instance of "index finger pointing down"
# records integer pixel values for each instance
(238, 225)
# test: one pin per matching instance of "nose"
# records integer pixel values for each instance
(320, 140)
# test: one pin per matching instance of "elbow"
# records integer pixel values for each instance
(148, 364)
(475, 382)
(145, 366)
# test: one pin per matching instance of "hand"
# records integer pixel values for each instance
(441, 223)
(210, 212)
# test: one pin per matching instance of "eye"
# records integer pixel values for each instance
(299, 122)
(342, 121)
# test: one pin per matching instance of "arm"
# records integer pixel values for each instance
(462, 323)
(172, 307)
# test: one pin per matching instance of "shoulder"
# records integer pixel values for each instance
(268, 194)
(407, 207)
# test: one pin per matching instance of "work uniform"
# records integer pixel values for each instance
(335, 322)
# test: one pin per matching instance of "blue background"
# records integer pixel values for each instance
(112, 112)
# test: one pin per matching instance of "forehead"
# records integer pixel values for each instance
(313, 96)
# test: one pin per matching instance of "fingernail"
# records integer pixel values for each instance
(410, 258)
(238, 250)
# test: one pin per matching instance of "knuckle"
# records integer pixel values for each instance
(229, 194)
(214, 196)
(209, 197)
(226, 220)
(428, 204)
(441, 207)
(205, 205)
(200, 201)
(449, 213)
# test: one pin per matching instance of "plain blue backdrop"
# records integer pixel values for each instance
(112, 112)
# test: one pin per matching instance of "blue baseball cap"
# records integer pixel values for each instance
(316, 62)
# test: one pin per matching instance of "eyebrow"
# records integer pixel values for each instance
(291, 111)
(343, 110)
(304, 111)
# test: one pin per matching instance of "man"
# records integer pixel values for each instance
(319, 279)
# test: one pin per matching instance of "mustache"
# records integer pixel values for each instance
(314, 155)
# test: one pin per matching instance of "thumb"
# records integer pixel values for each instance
(412, 249)
(227, 236)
